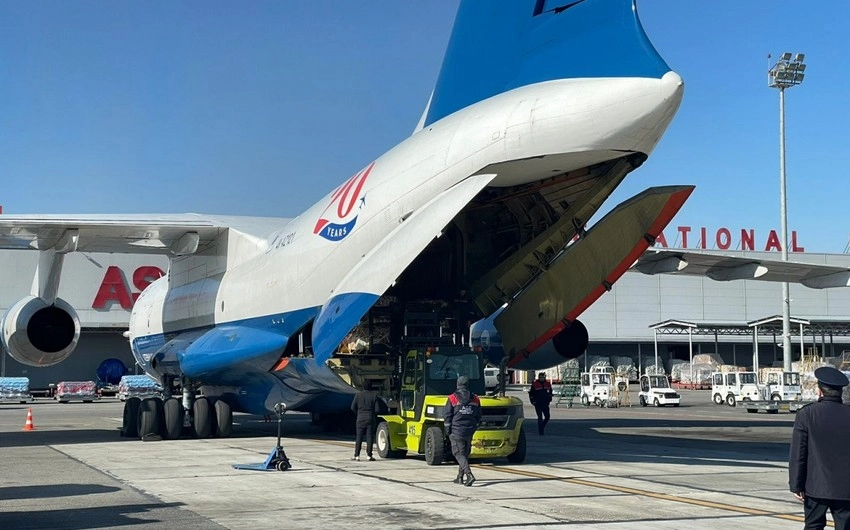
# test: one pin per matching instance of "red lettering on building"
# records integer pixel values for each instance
(684, 231)
(723, 239)
(772, 242)
(144, 276)
(794, 247)
(114, 287)
(748, 239)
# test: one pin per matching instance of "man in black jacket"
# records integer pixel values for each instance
(818, 467)
(462, 414)
(365, 405)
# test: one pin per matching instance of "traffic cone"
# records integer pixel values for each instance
(29, 426)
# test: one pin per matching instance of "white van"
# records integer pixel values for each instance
(491, 377)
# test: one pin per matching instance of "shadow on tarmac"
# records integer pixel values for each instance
(111, 516)
(45, 491)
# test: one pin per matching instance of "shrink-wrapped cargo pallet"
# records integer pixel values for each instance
(140, 386)
(83, 390)
(15, 389)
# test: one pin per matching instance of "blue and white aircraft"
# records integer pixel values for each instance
(540, 110)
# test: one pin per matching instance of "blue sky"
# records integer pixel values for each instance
(261, 108)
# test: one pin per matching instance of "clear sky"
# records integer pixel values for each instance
(262, 107)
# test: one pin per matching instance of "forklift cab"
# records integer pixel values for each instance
(435, 373)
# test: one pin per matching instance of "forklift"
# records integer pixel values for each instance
(428, 376)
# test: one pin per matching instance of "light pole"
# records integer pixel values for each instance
(786, 73)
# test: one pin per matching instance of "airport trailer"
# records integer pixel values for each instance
(771, 406)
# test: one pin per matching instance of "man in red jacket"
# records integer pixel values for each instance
(540, 395)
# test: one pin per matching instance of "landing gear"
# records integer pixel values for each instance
(129, 424)
(172, 415)
(201, 418)
(223, 419)
(150, 411)
(168, 417)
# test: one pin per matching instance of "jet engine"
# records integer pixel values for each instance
(40, 334)
(569, 343)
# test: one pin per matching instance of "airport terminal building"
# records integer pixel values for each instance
(678, 315)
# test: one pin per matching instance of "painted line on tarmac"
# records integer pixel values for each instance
(654, 495)
(624, 489)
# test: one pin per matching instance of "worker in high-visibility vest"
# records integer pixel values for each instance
(540, 395)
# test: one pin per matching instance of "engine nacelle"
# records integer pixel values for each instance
(569, 343)
(39, 334)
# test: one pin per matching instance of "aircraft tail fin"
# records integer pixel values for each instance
(500, 45)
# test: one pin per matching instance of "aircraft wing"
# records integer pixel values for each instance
(174, 234)
(725, 267)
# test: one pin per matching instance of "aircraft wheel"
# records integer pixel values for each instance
(730, 400)
(201, 418)
(129, 424)
(718, 399)
(435, 446)
(150, 411)
(518, 456)
(172, 414)
(223, 419)
(642, 401)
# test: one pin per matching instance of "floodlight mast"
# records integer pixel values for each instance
(786, 73)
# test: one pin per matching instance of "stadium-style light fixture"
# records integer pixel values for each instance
(785, 74)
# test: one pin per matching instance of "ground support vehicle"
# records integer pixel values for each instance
(771, 406)
(598, 387)
(782, 386)
(655, 390)
(732, 387)
(429, 376)
(85, 391)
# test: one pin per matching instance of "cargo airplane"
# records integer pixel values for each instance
(540, 110)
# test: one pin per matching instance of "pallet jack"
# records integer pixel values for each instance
(277, 459)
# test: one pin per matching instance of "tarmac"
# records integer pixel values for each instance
(696, 466)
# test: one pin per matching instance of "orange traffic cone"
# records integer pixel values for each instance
(29, 426)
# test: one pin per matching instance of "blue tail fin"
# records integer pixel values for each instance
(499, 45)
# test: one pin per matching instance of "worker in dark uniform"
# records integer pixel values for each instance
(540, 395)
(365, 406)
(818, 467)
(462, 414)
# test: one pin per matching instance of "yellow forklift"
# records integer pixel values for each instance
(415, 424)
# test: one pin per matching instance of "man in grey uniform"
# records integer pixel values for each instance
(818, 466)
